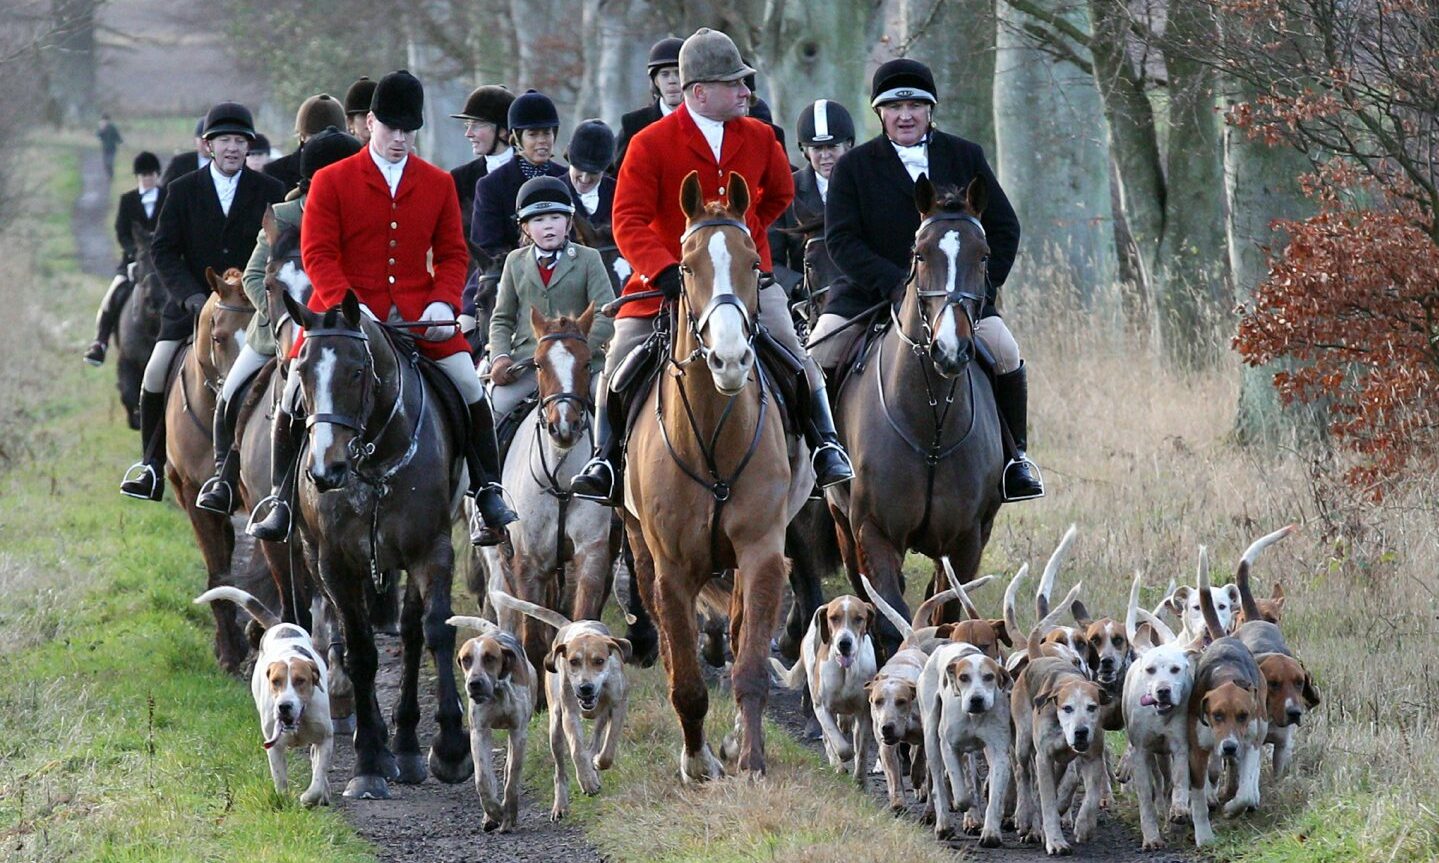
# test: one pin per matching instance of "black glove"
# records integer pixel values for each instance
(668, 282)
(195, 302)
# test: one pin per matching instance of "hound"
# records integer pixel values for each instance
(1251, 609)
(501, 684)
(1155, 703)
(584, 679)
(1059, 641)
(288, 685)
(837, 659)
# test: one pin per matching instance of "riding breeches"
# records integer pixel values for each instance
(158, 368)
(460, 369)
(107, 303)
(992, 332)
(246, 365)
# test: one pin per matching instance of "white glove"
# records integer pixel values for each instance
(438, 311)
(130, 271)
(467, 323)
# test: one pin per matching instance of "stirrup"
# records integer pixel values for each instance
(843, 457)
(278, 508)
(1015, 496)
(216, 486)
(605, 497)
(142, 471)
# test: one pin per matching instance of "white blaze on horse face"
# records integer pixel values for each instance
(296, 283)
(947, 336)
(324, 401)
(562, 362)
(730, 355)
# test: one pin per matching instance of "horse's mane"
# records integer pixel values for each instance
(950, 199)
(716, 209)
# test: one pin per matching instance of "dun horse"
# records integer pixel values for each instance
(918, 417)
(382, 484)
(710, 481)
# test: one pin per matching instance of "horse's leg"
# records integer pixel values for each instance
(216, 538)
(374, 763)
(340, 688)
(760, 582)
(591, 577)
(883, 564)
(804, 581)
(643, 636)
(407, 709)
(450, 747)
(530, 586)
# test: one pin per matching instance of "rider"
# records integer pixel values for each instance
(870, 223)
(209, 220)
(591, 150)
(710, 135)
(258, 156)
(191, 160)
(553, 276)
(386, 224)
(139, 206)
(315, 115)
(357, 107)
(486, 113)
(826, 132)
(664, 71)
(218, 493)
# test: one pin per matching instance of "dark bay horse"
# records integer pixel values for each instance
(711, 482)
(137, 327)
(918, 416)
(381, 486)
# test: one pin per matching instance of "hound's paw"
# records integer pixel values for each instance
(1031, 836)
(601, 762)
(315, 797)
(590, 784)
(990, 840)
(1179, 814)
(1237, 807)
(558, 812)
(944, 832)
(1155, 844)
(927, 817)
(489, 824)
(972, 825)
(1058, 848)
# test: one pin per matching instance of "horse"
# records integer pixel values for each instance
(711, 481)
(138, 327)
(382, 483)
(560, 552)
(918, 416)
(190, 451)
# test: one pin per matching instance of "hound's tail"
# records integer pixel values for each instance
(254, 607)
(484, 627)
(906, 629)
(789, 678)
(1241, 577)
(529, 609)
(1051, 569)
(1206, 601)
(1046, 623)
(1011, 595)
(962, 590)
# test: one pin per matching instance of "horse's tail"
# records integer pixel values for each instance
(529, 609)
(789, 678)
(479, 624)
(254, 607)
(1241, 578)
(1051, 569)
(893, 616)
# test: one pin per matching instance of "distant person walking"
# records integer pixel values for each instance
(110, 141)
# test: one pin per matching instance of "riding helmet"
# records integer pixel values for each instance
(488, 104)
(146, 162)
(541, 195)
(710, 55)
(533, 110)
(399, 101)
(592, 146)
(902, 79)
(260, 146)
(664, 53)
(359, 96)
(229, 118)
(316, 113)
(825, 122)
(326, 147)
(200, 128)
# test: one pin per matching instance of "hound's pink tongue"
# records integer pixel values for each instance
(1147, 701)
(845, 661)
(273, 740)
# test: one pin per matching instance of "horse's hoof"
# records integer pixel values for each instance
(368, 787)
(411, 769)
(386, 766)
(344, 724)
(451, 772)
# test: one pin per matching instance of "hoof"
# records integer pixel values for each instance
(411, 769)
(451, 772)
(344, 724)
(368, 787)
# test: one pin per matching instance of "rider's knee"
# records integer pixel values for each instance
(1000, 344)
(158, 368)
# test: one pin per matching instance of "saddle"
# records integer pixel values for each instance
(507, 426)
(453, 410)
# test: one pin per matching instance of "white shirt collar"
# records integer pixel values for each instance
(915, 159)
(591, 199)
(225, 187)
(665, 109)
(497, 161)
(822, 185)
(204, 160)
(391, 171)
(713, 130)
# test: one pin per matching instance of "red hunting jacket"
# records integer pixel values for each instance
(648, 220)
(354, 236)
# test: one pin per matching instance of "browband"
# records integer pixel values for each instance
(713, 223)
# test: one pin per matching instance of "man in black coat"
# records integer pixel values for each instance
(316, 114)
(194, 160)
(139, 207)
(871, 220)
(664, 71)
(826, 132)
(211, 219)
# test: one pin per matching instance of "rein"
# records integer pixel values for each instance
(550, 482)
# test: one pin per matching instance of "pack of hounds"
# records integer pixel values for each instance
(983, 738)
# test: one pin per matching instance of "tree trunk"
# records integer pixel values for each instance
(822, 49)
(71, 61)
(956, 38)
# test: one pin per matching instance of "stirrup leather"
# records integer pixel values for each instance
(1013, 496)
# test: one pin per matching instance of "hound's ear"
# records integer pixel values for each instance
(692, 196)
(1234, 598)
(1001, 632)
(945, 630)
(1091, 656)
(1081, 614)
(1042, 698)
(977, 196)
(1178, 601)
(738, 194)
(949, 672)
(587, 320)
(820, 621)
(924, 197)
(1277, 594)
(1002, 677)
(869, 616)
(1310, 692)
(870, 684)
(317, 679)
(1104, 697)
(537, 323)
(462, 654)
(508, 662)
(552, 659)
(1204, 710)
(350, 308)
(622, 646)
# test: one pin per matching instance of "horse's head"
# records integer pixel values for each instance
(220, 329)
(146, 282)
(720, 267)
(283, 275)
(562, 362)
(338, 380)
(948, 281)
(601, 238)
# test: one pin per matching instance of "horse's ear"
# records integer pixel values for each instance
(297, 310)
(738, 194)
(270, 226)
(924, 196)
(692, 196)
(977, 196)
(213, 280)
(538, 324)
(350, 308)
(587, 319)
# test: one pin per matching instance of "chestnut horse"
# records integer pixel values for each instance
(711, 482)
(918, 417)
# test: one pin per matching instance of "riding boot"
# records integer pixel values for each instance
(287, 436)
(831, 462)
(1021, 476)
(600, 479)
(105, 325)
(218, 492)
(482, 456)
(149, 482)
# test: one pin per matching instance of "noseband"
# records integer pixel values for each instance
(580, 400)
(959, 298)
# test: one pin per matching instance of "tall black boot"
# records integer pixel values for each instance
(105, 325)
(218, 492)
(831, 462)
(288, 434)
(482, 457)
(1021, 476)
(600, 479)
(148, 482)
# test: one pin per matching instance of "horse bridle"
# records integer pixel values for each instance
(959, 298)
(582, 400)
(216, 385)
(697, 325)
(362, 445)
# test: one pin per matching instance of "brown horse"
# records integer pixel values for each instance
(190, 452)
(918, 416)
(711, 482)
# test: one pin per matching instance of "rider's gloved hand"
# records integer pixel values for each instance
(195, 302)
(438, 311)
(502, 370)
(467, 323)
(668, 282)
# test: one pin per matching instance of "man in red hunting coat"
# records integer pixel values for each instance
(385, 224)
(711, 135)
